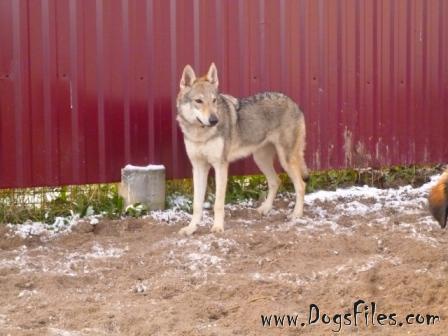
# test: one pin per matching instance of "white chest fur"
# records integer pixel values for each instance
(210, 151)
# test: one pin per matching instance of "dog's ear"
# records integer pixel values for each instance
(212, 75)
(188, 77)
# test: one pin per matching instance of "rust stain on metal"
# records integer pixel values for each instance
(348, 147)
(362, 157)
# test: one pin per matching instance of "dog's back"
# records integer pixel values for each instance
(438, 200)
(264, 113)
(270, 118)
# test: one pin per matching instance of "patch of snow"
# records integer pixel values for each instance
(323, 209)
(249, 203)
(346, 269)
(144, 168)
(199, 261)
(141, 287)
(199, 254)
(99, 252)
(42, 259)
(60, 225)
(180, 202)
(26, 293)
(420, 235)
(30, 229)
(61, 332)
(93, 220)
(169, 216)
(332, 211)
(357, 208)
(244, 221)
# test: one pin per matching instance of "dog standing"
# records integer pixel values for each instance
(219, 129)
(438, 200)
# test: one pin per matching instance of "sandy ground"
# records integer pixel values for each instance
(138, 277)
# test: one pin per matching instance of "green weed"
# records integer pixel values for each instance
(45, 204)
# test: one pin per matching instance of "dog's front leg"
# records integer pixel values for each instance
(221, 185)
(200, 173)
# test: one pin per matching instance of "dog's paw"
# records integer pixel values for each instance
(187, 231)
(294, 216)
(264, 209)
(217, 229)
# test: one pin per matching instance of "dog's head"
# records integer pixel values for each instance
(197, 101)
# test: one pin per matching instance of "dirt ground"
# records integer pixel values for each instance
(138, 277)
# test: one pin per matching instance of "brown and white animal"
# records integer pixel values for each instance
(219, 129)
(438, 200)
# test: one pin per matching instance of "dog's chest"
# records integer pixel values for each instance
(210, 151)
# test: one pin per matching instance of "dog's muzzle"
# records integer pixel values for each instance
(213, 120)
(203, 125)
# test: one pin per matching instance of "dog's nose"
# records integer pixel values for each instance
(213, 120)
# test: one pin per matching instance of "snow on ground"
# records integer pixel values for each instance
(61, 225)
(324, 212)
(199, 255)
(346, 269)
(72, 264)
(364, 239)
(325, 206)
(143, 168)
(29, 228)
(169, 216)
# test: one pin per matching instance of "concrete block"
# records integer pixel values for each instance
(145, 185)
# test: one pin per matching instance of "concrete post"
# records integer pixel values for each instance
(145, 185)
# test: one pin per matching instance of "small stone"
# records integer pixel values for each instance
(83, 227)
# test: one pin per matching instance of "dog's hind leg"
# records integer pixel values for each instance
(221, 171)
(264, 158)
(293, 167)
(200, 173)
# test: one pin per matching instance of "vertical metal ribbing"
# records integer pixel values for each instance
(100, 89)
(74, 91)
(126, 81)
(47, 93)
(196, 36)
(19, 94)
(151, 81)
(173, 78)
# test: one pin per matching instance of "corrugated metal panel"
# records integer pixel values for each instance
(88, 86)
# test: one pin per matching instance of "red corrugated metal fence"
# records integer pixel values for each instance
(88, 86)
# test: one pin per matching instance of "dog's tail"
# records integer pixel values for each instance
(438, 200)
(302, 144)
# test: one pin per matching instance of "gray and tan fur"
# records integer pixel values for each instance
(219, 129)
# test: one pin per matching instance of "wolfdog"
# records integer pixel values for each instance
(219, 128)
(438, 200)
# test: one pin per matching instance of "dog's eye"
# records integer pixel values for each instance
(199, 101)
(214, 100)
